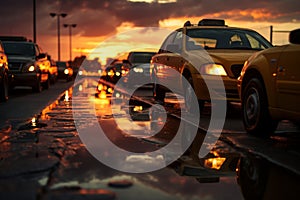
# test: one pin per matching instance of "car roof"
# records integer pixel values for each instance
(18, 42)
(215, 27)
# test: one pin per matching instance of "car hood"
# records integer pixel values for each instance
(20, 59)
(230, 57)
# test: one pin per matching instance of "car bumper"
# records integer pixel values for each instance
(210, 87)
(24, 79)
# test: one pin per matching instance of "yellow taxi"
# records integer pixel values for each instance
(201, 53)
(269, 87)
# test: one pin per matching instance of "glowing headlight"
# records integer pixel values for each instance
(31, 68)
(214, 163)
(138, 70)
(110, 73)
(213, 69)
(124, 72)
(80, 73)
(118, 73)
(66, 71)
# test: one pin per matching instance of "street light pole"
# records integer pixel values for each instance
(70, 36)
(58, 15)
(34, 20)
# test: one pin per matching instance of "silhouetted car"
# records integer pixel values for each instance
(203, 53)
(64, 71)
(114, 72)
(269, 87)
(27, 64)
(4, 79)
(53, 71)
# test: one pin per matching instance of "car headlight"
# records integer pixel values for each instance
(138, 70)
(29, 67)
(66, 71)
(213, 69)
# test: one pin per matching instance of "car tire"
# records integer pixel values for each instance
(256, 118)
(38, 87)
(252, 176)
(159, 93)
(189, 89)
(46, 84)
(4, 87)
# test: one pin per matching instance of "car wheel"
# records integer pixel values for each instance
(4, 89)
(252, 176)
(38, 87)
(188, 97)
(46, 84)
(256, 117)
(159, 93)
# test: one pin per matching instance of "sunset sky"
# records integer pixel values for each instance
(103, 24)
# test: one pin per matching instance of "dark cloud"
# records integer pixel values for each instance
(98, 18)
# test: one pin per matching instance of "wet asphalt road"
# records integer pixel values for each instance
(48, 160)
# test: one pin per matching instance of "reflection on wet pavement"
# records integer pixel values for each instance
(45, 158)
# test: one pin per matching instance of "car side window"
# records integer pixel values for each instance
(168, 40)
(178, 40)
(37, 50)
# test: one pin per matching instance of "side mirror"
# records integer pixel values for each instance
(174, 48)
(41, 56)
(294, 37)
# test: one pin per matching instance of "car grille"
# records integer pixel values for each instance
(236, 70)
(15, 66)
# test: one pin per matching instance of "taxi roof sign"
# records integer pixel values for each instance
(212, 22)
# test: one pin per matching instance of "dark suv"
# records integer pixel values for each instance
(27, 64)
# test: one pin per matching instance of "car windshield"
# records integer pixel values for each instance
(61, 65)
(225, 39)
(141, 57)
(18, 48)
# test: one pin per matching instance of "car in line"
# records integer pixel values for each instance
(28, 65)
(269, 87)
(64, 71)
(193, 55)
(115, 72)
(139, 67)
(4, 77)
(53, 71)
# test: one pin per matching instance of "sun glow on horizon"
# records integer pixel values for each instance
(127, 36)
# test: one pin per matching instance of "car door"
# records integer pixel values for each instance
(288, 79)
(167, 61)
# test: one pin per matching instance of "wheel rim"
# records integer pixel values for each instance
(252, 107)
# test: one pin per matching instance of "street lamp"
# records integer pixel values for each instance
(70, 36)
(58, 15)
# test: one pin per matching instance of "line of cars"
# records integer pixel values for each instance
(264, 78)
(23, 63)
(133, 67)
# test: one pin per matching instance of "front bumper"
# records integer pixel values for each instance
(209, 87)
(24, 79)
